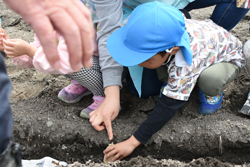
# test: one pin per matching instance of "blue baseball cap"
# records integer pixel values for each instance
(152, 27)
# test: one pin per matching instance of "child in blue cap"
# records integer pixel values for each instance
(158, 35)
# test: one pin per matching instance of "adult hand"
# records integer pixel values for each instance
(68, 17)
(121, 150)
(102, 117)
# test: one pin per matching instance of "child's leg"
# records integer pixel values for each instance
(212, 83)
(92, 80)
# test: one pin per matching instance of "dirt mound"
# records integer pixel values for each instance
(149, 162)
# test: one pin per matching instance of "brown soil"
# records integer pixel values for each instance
(45, 126)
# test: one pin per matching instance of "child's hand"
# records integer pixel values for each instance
(101, 117)
(121, 150)
(15, 47)
(2, 36)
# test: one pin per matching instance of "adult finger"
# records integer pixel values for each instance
(45, 32)
(108, 126)
(86, 29)
(83, 10)
(70, 31)
(68, 28)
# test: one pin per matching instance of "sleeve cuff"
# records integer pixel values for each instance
(112, 77)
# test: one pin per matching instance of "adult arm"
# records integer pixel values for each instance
(107, 16)
(68, 17)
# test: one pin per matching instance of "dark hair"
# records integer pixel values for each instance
(162, 53)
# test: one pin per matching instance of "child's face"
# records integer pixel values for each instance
(155, 61)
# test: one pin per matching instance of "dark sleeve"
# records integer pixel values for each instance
(164, 110)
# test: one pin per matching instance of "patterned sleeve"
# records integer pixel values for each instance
(182, 81)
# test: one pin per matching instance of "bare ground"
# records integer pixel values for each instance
(45, 126)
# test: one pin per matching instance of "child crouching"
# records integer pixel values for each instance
(84, 82)
(157, 35)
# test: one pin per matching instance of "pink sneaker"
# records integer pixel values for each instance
(97, 102)
(73, 93)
